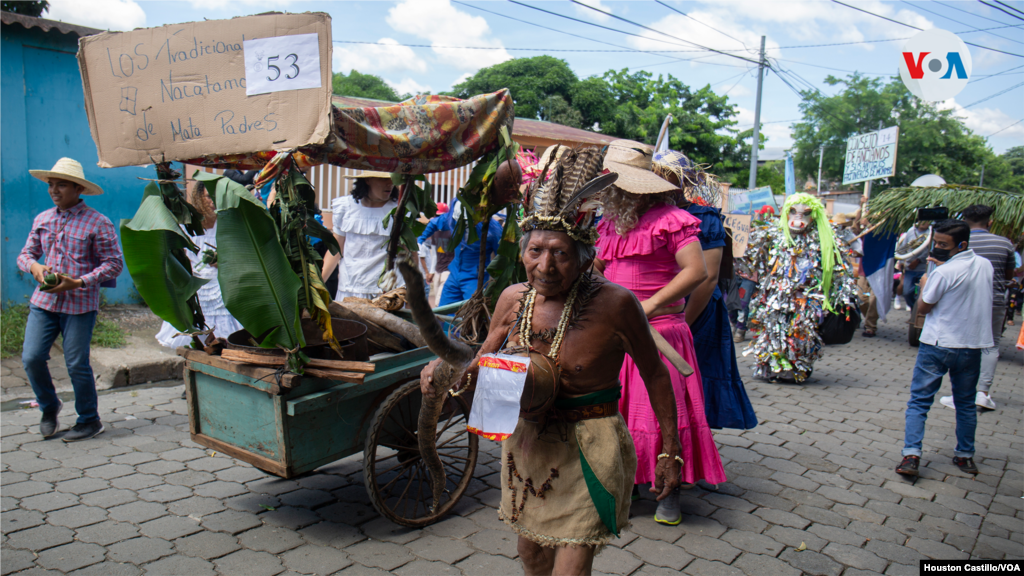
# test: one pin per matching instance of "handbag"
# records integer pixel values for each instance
(839, 328)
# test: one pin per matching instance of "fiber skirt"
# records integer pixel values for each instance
(571, 484)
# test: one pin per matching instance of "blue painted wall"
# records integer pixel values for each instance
(42, 108)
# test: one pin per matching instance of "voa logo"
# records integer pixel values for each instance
(935, 65)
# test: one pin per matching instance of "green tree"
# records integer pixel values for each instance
(35, 8)
(555, 109)
(702, 125)
(363, 86)
(931, 141)
(770, 174)
(531, 81)
(1006, 171)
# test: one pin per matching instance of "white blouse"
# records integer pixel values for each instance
(365, 250)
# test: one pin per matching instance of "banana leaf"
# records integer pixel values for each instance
(898, 206)
(295, 216)
(259, 287)
(153, 246)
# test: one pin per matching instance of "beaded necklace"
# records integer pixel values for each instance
(527, 320)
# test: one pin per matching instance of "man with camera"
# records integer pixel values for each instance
(956, 299)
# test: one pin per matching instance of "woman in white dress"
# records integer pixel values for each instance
(216, 315)
(361, 235)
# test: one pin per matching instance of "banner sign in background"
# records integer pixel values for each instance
(739, 224)
(871, 155)
(183, 91)
(750, 201)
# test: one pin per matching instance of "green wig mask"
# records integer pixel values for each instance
(825, 236)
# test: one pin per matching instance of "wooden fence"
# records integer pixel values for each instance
(331, 182)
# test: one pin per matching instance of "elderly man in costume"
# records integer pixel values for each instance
(568, 467)
(803, 276)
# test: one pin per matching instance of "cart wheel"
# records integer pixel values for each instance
(914, 334)
(395, 476)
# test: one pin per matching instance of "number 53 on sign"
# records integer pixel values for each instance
(282, 63)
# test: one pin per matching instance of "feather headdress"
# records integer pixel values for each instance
(562, 197)
(698, 186)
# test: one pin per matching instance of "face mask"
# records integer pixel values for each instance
(940, 254)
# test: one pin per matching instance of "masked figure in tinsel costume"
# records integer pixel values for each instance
(802, 277)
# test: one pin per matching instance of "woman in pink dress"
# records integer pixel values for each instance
(650, 246)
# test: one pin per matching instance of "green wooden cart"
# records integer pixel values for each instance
(289, 425)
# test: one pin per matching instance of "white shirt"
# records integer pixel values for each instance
(961, 290)
(365, 246)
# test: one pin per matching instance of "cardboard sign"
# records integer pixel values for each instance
(181, 91)
(739, 225)
(871, 155)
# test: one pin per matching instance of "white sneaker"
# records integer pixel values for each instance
(985, 401)
(896, 304)
(947, 401)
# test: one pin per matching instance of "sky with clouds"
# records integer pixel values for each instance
(430, 45)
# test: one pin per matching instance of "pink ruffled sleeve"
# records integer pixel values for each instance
(663, 226)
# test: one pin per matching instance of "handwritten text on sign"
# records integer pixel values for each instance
(871, 155)
(282, 63)
(183, 91)
(739, 224)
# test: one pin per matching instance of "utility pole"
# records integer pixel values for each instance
(821, 156)
(757, 121)
(982, 182)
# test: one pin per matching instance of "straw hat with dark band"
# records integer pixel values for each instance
(632, 161)
(70, 170)
(373, 174)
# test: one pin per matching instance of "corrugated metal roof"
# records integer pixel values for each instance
(45, 25)
(536, 131)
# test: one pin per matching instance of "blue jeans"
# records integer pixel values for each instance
(964, 366)
(40, 333)
(912, 278)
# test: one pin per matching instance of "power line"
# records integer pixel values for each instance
(676, 10)
(587, 23)
(544, 27)
(999, 93)
(1005, 128)
(1000, 2)
(984, 76)
(658, 53)
(916, 28)
(836, 69)
(966, 12)
(1000, 9)
(653, 30)
(917, 7)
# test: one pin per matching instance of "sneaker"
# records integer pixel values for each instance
(84, 431)
(668, 510)
(985, 401)
(909, 466)
(947, 401)
(739, 336)
(49, 424)
(966, 465)
(897, 304)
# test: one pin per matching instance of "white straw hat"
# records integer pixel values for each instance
(68, 169)
(633, 162)
(373, 174)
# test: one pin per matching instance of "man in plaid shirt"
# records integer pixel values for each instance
(79, 246)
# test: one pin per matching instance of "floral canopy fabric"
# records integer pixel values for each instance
(422, 135)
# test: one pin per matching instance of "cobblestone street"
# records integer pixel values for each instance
(811, 490)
